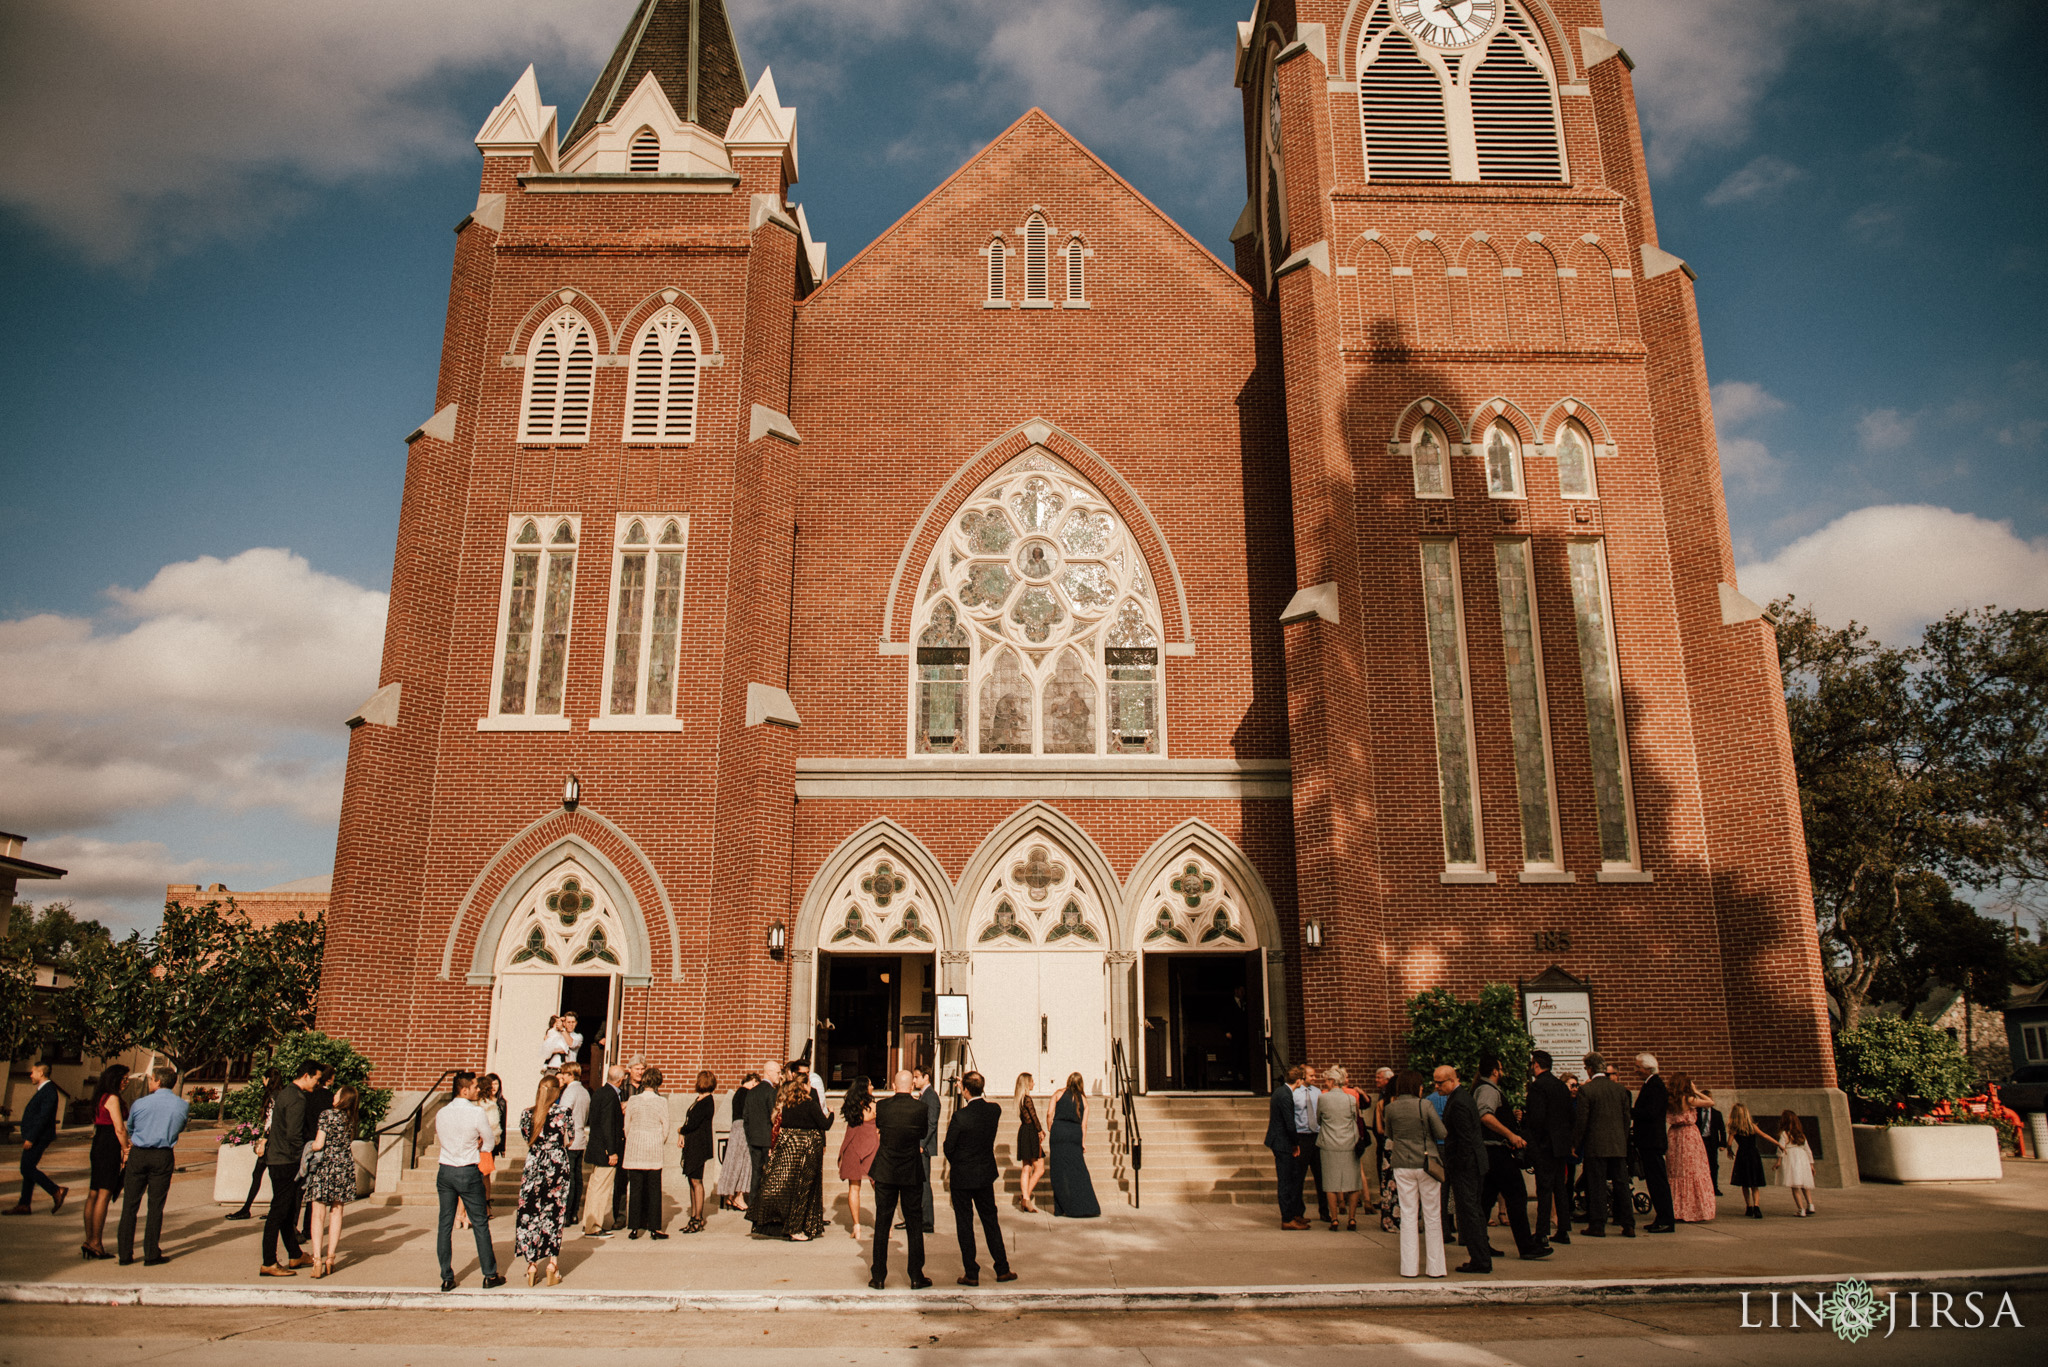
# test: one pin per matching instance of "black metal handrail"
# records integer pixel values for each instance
(412, 1118)
(1127, 1092)
(1279, 1063)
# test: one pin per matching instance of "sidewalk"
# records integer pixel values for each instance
(1177, 1255)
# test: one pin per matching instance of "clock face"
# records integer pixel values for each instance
(1449, 23)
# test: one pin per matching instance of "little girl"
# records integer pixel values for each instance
(1795, 1163)
(1748, 1172)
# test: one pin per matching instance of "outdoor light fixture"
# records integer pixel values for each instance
(778, 940)
(1312, 934)
(572, 793)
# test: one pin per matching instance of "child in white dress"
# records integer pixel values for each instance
(1795, 1163)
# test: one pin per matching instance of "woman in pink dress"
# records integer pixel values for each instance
(857, 1150)
(1692, 1183)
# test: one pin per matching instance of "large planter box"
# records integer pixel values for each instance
(231, 1175)
(1928, 1153)
(365, 1152)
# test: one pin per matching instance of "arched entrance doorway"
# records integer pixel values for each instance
(877, 947)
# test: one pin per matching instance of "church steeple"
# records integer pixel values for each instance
(688, 46)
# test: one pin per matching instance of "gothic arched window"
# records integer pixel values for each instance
(662, 403)
(1037, 630)
(560, 364)
(1503, 462)
(1037, 284)
(998, 270)
(1472, 101)
(644, 156)
(1430, 455)
(1575, 474)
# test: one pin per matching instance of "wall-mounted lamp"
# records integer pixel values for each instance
(1312, 934)
(572, 793)
(778, 940)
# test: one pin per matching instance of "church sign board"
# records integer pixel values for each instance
(1558, 1009)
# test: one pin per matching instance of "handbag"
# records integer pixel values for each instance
(486, 1164)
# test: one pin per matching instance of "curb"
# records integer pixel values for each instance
(1361, 1296)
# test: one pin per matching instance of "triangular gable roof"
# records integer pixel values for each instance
(996, 145)
(704, 81)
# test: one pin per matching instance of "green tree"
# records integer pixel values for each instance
(19, 1027)
(50, 936)
(1442, 1029)
(1939, 940)
(351, 1069)
(1896, 1068)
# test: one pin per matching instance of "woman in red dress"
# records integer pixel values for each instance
(1692, 1182)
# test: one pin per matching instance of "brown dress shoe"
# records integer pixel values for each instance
(62, 1192)
(15, 1210)
(303, 1260)
(277, 1272)
(1294, 1224)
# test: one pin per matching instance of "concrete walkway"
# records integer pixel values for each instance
(1162, 1255)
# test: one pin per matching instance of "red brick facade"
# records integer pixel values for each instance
(1235, 419)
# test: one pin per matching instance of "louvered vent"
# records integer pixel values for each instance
(998, 274)
(1514, 115)
(645, 158)
(1376, 24)
(663, 401)
(559, 372)
(1402, 102)
(1077, 279)
(1036, 285)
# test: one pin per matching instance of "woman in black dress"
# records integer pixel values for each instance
(792, 1200)
(109, 1141)
(1073, 1194)
(1030, 1144)
(697, 1140)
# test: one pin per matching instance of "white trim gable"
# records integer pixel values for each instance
(686, 149)
(521, 126)
(764, 126)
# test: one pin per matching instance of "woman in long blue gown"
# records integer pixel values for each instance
(1073, 1194)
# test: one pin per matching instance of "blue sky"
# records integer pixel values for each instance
(227, 264)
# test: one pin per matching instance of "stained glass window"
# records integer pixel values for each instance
(1574, 464)
(647, 607)
(1526, 711)
(540, 588)
(1443, 615)
(1605, 732)
(942, 662)
(1432, 473)
(1132, 655)
(1070, 707)
(1503, 464)
(1006, 707)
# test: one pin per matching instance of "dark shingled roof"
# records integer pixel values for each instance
(690, 48)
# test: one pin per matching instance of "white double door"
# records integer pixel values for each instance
(1043, 1012)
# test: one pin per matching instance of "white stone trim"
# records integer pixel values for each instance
(1319, 601)
(381, 708)
(767, 703)
(764, 421)
(441, 427)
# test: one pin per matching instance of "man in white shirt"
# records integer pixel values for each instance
(562, 1043)
(577, 1098)
(465, 1132)
(1306, 1098)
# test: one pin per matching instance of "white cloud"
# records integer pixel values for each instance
(1897, 567)
(1701, 67)
(1739, 402)
(221, 683)
(1761, 178)
(136, 126)
(1745, 458)
(1885, 429)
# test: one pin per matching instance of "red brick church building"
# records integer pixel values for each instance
(1185, 661)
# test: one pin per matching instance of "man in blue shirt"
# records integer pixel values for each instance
(1306, 1123)
(154, 1123)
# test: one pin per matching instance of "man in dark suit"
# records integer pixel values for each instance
(1286, 1146)
(898, 1173)
(971, 1158)
(1465, 1164)
(38, 1132)
(929, 1095)
(607, 1144)
(760, 1118)
(1714, 1134)
(1600, 1134)
(1547, 1125)
(1653, 1141)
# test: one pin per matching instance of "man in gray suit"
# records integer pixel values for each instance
(1601, 1136)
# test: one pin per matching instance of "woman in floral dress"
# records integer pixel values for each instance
(331, 1177)
(1692, 1182)
(544, 1190)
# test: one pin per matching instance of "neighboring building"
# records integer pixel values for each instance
(301, 899)
(1042, 610)
(13, 869)
(1978, 1031)
(2026, 1026)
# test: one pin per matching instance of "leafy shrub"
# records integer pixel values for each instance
(1895, 1069)
(1442, 1029)
(203, 1110)
(351, 1069)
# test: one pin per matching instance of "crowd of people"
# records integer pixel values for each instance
(1450, 1155)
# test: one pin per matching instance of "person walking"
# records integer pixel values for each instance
(1465, 1163)
(576, 1100)
(736, 1171)
(38, 1132)
(154, 1124)
(544, 1187)
(760, 1116)
(604, 1146)
(1600, 1138)
(645, 1151)
(283, 1145)
(1547, 1125)
(929, 1095)
(1503, 1182)
(1337, 1131)
(271, 1082)
(109, 1142)
(1795, 1163)
(331, 1177)
(792, 1200)
(1415, 1136)
(1030, 1145)
(695, 1136)
(1714, 1134)
(1073, 1193)
(1653, 1142)
(1692, 1186)
(1285, 1143)
(465, 1132)
(971, 1160)
(857, 1150)
(898, 1175)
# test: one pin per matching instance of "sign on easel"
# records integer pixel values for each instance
(1558, 1010)
(952, 1016)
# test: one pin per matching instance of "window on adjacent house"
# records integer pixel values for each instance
(662, 405)
(1575, 475)
(561, 362)
(1429, 454)
(1528, 710)
(998, 270)
(1606, 730)
(1037, 284)
(647, 610)
(2034, 1039)
(1450, 689)
(645, 155)
(533, 639)
(1077, 271)
(1487, 112)
(1037, 631)
(1503, 463)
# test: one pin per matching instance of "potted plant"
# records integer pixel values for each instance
(351, 1069)
(1897, 1072)
(236, 1162)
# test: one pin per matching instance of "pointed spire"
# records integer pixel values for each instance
(521, 125)
(688, 46)
(764, 125)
